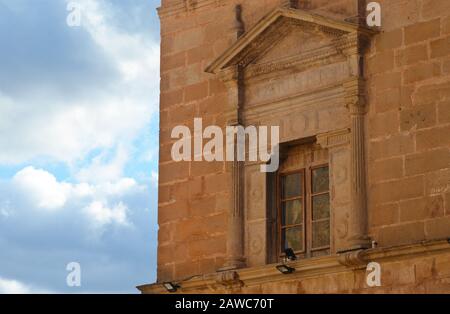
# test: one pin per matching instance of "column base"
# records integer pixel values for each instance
(233, 264)
(355, 244)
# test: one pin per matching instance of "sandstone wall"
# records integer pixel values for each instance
(408, 129)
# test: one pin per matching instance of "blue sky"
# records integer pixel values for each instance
(78, 145)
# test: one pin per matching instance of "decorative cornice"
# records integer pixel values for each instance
(305, 268)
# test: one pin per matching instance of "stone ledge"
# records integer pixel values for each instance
(304, 268)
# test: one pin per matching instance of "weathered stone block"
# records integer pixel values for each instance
(397, 190)
(435, 8)
(433, 138)
(402, 234)
(389, 40)
(171, 98)
(383, 215)
(427, 161)
(388, 100)
(384, 124)
(412, 55)
(174, 61)
(422, 31)
(386, 169)
(196, 91)
(421, 72)
(417, 117)
(440, 47)
(394, 145)
(381, 62)
(438, 228)
(421, 208)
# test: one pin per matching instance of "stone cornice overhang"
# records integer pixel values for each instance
(243, 51)
(307, 268)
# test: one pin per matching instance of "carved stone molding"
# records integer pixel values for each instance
(302, 62)
(334, 138)
(354, 259)
(229, 279)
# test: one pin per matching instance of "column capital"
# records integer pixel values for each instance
(230, 76)
(355, 96)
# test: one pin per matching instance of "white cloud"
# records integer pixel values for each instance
(136, 57)
(68, 131)
(9, 286)
(103, 215)
(101, 170)
(43, 190)
(120, 187)
(13, 287)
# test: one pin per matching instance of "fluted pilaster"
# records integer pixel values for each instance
(358, 222)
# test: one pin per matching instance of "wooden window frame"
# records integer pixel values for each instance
(307, 223)
(280, 201)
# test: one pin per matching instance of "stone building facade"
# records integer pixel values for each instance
(364, 117)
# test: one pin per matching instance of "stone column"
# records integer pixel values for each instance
(235, 244)
(358, 224)
(232, 78)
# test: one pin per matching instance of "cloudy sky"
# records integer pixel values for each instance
(78, 144)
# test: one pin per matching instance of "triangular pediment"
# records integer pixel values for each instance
(296, 42)
(281, 34)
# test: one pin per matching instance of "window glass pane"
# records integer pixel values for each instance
(292, 185)
(292, 212)
(320, 180)
(321, 233)
(321, 206)
(293, 238)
